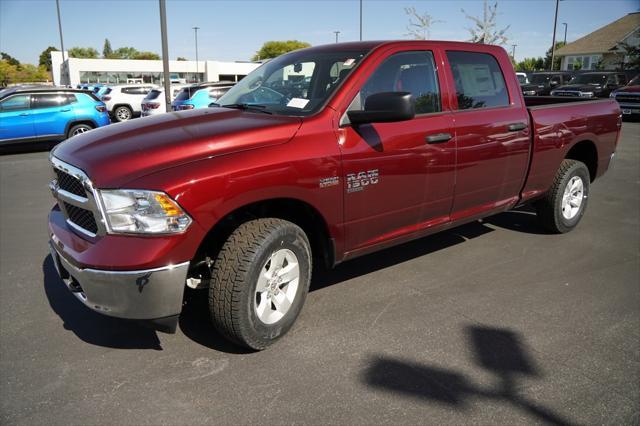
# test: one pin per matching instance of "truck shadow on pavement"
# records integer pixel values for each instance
(498, 351)
(90, 326)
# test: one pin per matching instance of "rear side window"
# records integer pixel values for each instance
(412, 72)
(154, 94)
(15, 103)
(49, 100)
(184, 94)
(106, 92)
(136, 90)
(479, 80)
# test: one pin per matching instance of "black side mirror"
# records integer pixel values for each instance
(385, 107)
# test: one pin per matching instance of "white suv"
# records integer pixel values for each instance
(124, 102)
(154, 103)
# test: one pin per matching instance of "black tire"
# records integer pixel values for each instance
(232, 293)
(122, 113)
(78, 129)
(550, 208)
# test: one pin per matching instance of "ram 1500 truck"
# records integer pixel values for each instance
(322, 154)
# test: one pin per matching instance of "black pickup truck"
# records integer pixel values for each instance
(597, 84)
(541, 83)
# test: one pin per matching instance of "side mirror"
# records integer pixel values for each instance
(555, 82)
(385, 107)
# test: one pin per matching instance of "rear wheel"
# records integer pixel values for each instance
(78, 129)
(565, 203)
(260, 280)
(123, 113)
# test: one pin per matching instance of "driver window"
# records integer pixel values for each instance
(413, 72)
(15, 103)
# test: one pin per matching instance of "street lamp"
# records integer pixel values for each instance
(165, 55)
(64, 66)
(513, 51)
(197, 63)
(553, 43)
(360, 20)
(565, 32)
(336, 33)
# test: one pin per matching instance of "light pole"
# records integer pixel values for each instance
(64, 66)
(336, 33)
(360, 20)
(565, 32)
(165, 56)
(197, 63)
(553, 43)
(513, 51)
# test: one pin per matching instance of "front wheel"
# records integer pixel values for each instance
(260, 280)
(564, 205)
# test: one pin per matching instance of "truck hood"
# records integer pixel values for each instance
(580, 87)
(629, 89)
(116, 154)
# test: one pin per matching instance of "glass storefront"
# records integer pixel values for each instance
(138, 77)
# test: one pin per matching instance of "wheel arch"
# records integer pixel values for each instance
(75, 122)
(586, 152)
(293, 210)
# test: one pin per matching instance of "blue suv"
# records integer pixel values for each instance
(51, 114)
(199, 95)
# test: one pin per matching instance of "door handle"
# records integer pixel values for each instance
(24, 114)
(516, 127)
(65, 110)
(439, 138)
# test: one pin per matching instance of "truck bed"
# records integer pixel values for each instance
(541, 101)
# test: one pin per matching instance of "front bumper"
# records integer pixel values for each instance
(149, 294)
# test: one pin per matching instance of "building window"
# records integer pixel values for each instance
(137, 77)
(586, 62)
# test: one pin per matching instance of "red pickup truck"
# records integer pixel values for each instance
(322, 154)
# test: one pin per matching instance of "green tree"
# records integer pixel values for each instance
(10, 59)
(530, 64)
(107, 51)
(630, 58)
(556, 59)
(125, 53)
(22, 73)
(146, 55)
(484, 30)
(272, 49)
(180, 58)
(45, 57)
(83, 52)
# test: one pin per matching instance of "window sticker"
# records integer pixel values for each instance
(349, 62)
(298, 103)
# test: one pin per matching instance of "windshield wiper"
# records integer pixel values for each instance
(248, 107)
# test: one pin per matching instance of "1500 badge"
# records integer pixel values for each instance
(359, 181)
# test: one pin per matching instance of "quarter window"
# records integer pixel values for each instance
(412, 72)
(478, 79)
(15, 103)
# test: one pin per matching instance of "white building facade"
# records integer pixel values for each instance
(74, 71)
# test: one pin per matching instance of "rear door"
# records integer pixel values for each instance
(16, 121)
(51, 114)
(492, 134)
(399, 177)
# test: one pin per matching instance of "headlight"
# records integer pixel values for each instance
(586, 94)
(142, 212)
(612, 95)
(553, 93)
(530, 92)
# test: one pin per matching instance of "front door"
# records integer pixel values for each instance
(51, 113)
(16, 121)
(399, 176)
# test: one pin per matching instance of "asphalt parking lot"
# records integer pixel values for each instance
(490, 323)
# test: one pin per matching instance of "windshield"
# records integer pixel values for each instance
(298, 83)
(539, 78)
(522, 79)
(589, 79)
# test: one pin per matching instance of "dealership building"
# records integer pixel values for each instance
(73, 71)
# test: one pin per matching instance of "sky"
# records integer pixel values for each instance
(235, 30)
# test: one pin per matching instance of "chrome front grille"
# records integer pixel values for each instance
(76, 198)
(566, 93)
(627, 99)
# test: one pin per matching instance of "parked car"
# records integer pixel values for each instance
(598, 84)
(48, 114)
(628, 98)
(541, 83)
(522, 78)
(154, 102)
(124, 102)
(199, 95)
(102, 90)
(239, 199)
